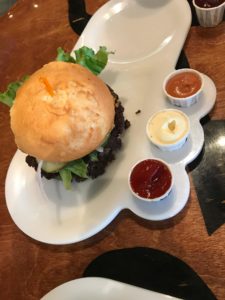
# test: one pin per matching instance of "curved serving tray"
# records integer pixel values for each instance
(147, 37)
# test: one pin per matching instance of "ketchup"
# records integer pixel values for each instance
(183, 85)
(150, 179)
(208, 3)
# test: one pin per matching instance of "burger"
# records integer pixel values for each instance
(68, 121)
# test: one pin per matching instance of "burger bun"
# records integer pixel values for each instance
(62, 112)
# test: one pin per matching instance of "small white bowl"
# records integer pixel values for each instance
(183, 101)
(209, 16)
(160, 129)
(146, 188)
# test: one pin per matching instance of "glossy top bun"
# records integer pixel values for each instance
(61, 113)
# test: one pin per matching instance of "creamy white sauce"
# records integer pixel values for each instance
(160, 131)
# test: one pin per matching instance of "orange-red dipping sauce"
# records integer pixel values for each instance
(183, 85)
(150, 179)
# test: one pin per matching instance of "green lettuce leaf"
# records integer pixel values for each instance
(9, 95)
(93, 156)
(66, 177)
(95, 62)
(86, 57)
(77, 167)
(64, 56)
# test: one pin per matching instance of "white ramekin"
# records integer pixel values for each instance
(149, 200)
(209, 17)
(186, 101)
(173, 145)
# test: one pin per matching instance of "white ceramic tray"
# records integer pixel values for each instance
(147, 37)
(97, 288)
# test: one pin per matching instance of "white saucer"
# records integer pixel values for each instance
(97, 288)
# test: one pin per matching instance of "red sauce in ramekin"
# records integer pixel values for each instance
(183, 85)
(208, 3)
(150, 179)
